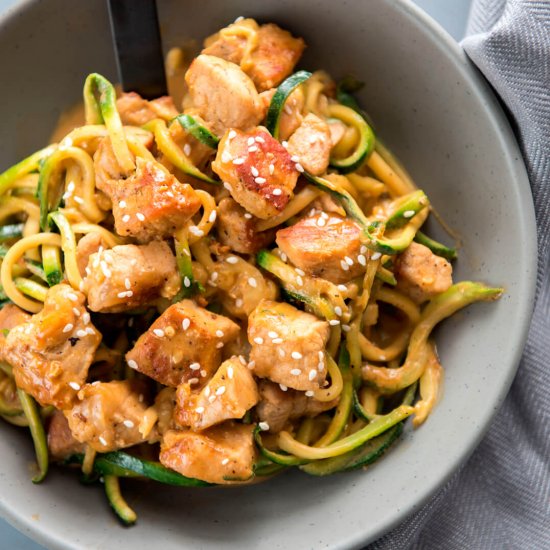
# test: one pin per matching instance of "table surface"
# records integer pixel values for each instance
(451, 14)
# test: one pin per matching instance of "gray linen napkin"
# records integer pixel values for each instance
(500, 499)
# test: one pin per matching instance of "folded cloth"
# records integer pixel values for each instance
(500, 499)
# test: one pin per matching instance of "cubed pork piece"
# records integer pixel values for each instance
(325, 245)
(52, 351)
(136, 111)
(151, 203)
(288, 345)
(228, 395)
(221, 454)
(111, 415)
(128, 276)
(10, 317)
(237, 228)
(311, 144)
(278, 405)
(257, 170)
(421, 274)
(182, 345)
(223, 95)
(61, 443)
(270, 61)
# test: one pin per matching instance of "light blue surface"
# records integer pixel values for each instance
(451, 14)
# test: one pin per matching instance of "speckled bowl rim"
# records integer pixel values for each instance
(497, 119)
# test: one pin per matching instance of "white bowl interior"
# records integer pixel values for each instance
(434, 111)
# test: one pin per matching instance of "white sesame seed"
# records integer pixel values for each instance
(227, 185)
(126, 218)
(128, 423)
(281, 352)
(260, 180)
(277, 192)
(361, 259)
(248, 216)
(225, 461)
(220, 333)
(226, 156)
(312, 374)
(195, 366)
(203, 373)
(242, 360)
(284, 144)
(334, 322)
(324, 215)
(277, 341)
(132, 364)
(72, 296)
(239, 302)
(348, 260)
(102, 441)
(213, 216)
(299, 167)
(81, 333)
(199, 410)
(186, 282)
(71, 187)
(252, 282)
(346, 328)
(259, 139)
(296, 355)
(194, 230)
(259, 340)
(193, 380)
(264, 426)
(90, 330)
(271, 169)
(342, 288)
(122, 204)
(78, 200)
(300, 271)
(127, 283)
(296, 372)
(310, 393)
(230, 373)
(158, 332)
(251, 365)
(321, 222)
(232, 260)
(106, 271)
(299, 281)
(121, 294)
(68, 327)
(220, 390)
(74, 386)
(254, 171)
(219, 345)
(344, 265)
(283, 387)
(295, 158)
(376, 256)
(238, 161)
(214, 275)
(338, 311)
(76, 311)
(170, 194)
(288, 109)
(96, 383)
(250, 141)
(207, 391)
(284, 257)
(231, 134)
(273, 334)
(185, 324)
(252, 149)
(212, 398)
(321, 355)
(363, 249)
(187, 149)
(408, 214)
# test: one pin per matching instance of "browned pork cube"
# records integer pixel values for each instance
(421, 274)
(257, 170)
(128, 276)
(311, 144)
(229, 394)
(61, 443)
(237, 228)
(270, 62)
(151, 203)
(136, 111)
(110, 415)
(10, 317)
(183, 345)
(51, 353)
(288, 345)
(221, 454)
(325, 245)
(278, 405)
(223, 95)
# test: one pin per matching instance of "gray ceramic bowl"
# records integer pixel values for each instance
(440, 117)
